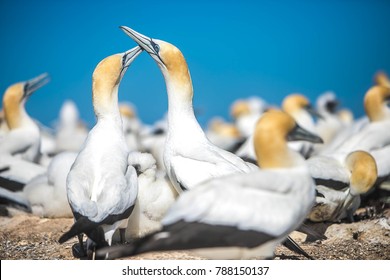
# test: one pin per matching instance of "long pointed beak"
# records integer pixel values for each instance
(299, 133)
(128, 58)
(145, 43)
(34, 84)
(313, 112)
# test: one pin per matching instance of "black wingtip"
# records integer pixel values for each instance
(293, 246)
(11, 185)
(82, 225)
(3, 169)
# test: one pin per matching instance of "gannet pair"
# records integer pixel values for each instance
(189, 157)
(44, 195)
(102, 186)
(23, 137)
(244, 215)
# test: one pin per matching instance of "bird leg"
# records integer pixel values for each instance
(78, 249)
(122, 233)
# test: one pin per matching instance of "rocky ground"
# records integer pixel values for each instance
(26, 236)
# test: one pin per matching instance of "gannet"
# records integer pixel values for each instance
(23, 137)
(300, 108)
(246, 113)
(131, 125)
(102, 186)
(346, 116)
(17, 172)
(152, 140)
(340, 180)
(244, 215)
(155, 196)
(71, 132)
(381, 79)
(374, 137)
(45, 194)
(189, 157)
(330, 123)
(224, 135)
(3, 124)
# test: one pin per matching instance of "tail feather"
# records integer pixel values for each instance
(293, 246)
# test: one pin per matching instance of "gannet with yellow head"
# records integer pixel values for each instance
(241, 216)
(189, 157)
(381, 79)
(131, 125)
(300, 108)
(23, 136)
(374, 137)
(223, 134)
(102, 186)
(340, 182)
(246, 113)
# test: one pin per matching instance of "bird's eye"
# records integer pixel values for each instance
(155, 47)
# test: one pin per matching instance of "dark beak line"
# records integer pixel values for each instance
(139, 39)
(128, 58)
(300, 133)
(34, 84)
(313, 112)
(144, 42)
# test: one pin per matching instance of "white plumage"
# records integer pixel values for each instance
(155, 196)
(102, 186)
(189, 157)
(241, 215)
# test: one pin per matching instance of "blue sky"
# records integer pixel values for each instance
(235, 49)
